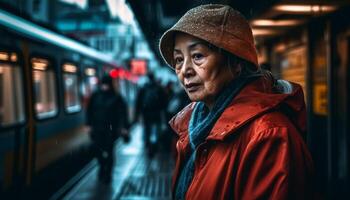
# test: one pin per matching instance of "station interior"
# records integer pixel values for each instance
(54, 53)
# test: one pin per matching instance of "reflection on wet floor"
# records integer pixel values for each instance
(150, 179)
(135, 176)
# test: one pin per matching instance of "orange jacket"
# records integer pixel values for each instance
(254, 151)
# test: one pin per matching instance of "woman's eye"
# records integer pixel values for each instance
(197, 56)
(178, 60)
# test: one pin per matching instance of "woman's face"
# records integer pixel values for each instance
(202, 70)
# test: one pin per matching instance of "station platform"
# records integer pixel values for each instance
(135, 175)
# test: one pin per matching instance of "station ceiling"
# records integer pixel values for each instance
(156, 16)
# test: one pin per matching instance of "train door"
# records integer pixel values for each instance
(12, 122)
(45, 106)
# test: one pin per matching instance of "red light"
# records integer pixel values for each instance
(122, 74)
(114, 73)
(138, 67)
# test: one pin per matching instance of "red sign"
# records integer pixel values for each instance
(138, 66)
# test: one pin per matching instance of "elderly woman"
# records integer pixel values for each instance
(242, 136)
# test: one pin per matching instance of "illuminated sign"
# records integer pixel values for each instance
(123, 74)
(138, 66)
(320, 99)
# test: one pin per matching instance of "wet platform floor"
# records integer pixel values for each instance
(135, 175)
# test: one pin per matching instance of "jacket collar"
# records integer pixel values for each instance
(254, 100)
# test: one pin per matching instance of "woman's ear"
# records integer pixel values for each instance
(235, 67)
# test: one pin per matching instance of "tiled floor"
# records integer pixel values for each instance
(135, 176)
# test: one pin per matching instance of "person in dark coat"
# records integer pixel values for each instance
(107, 117)
(150, 107)
(242, 135)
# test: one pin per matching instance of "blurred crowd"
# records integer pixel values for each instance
(108, 119)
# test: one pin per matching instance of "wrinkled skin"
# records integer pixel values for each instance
(202, 70)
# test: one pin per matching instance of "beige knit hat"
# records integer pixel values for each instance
(217, 24)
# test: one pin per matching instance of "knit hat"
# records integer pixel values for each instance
(220, 25)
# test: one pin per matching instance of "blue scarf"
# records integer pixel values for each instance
(201, 122)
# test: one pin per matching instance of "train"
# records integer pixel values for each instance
(45, 82)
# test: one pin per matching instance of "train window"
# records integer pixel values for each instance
(90, 81)
(71, 88)
(11, 90)
(44, 88)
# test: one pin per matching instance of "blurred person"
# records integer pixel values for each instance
(107, 117)
(165, 128)
(150, 103)
(242, 136)
(176, 103)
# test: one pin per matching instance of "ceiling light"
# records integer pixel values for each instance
(266, 22)
(80, 3)
(305, 8)
(263, 32)
(121, 9)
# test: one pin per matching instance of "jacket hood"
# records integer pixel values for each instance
(255, 99)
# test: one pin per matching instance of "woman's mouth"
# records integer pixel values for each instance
(192, 87)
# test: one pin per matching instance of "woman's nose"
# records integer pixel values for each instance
(187, 69)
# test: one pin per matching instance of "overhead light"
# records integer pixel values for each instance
(280, 47)
(267, 22)
(121, 9)
(80, 3)
(263, 32)
(305, 8)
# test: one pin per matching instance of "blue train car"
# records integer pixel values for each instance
(45, 81)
